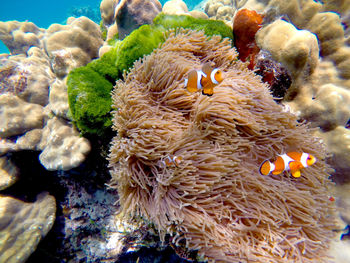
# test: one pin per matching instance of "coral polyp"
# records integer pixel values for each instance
(13, 77)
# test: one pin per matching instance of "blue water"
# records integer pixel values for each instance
(44, 13)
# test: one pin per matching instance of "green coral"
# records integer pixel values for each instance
(89, 87)
(140, 42)
(90, 100)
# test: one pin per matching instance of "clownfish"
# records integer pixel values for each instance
(292, 161)
(205, 79)
(170, 161)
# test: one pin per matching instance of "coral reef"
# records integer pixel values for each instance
(131, 14)
(123, 16)
(8, 173)
(89, 87)
(220, 10)
(23, 225)
(179, 7)
(215, 201)
(90, 100)
(33, 93)
(246, 24)
(18, 116)
(62, 148)
(20, 36)
(72, 45)
(296, 49)
(89, 223)
(175, 7)
(92, 13)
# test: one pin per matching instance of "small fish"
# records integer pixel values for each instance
(205, 79)
(170, 161)
(292, 161)
(331, 198)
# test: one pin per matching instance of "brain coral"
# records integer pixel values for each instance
(215, 201)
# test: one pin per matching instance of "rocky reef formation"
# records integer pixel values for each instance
(215, 201)
(23, 225)
(33, 94)
(39, 121)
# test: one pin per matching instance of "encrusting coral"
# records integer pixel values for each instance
(215, 201)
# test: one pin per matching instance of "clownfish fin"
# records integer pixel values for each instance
(208, 91)
(296, 173)
(295, 166)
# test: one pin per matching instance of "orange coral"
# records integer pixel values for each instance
(246, 24)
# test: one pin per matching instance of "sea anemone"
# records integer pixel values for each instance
(215, 201)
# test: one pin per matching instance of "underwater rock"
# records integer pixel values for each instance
(131, 14)
(31, 94)
(220, 10)
(215, 201)
(89, 223)
(23, 225)
(175, 7)
(72, 45)
(296, 49)
(62, 147)
(26, 76)
(273, 73)
(8, 173)
(18, 116)
(20, 36)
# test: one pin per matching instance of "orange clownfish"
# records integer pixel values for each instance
(292, 161)
(205, 79)
(170, 161)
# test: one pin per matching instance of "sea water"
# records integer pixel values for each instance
(44, 13)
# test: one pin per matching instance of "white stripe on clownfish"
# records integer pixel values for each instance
(286, 160)
(212, 76)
